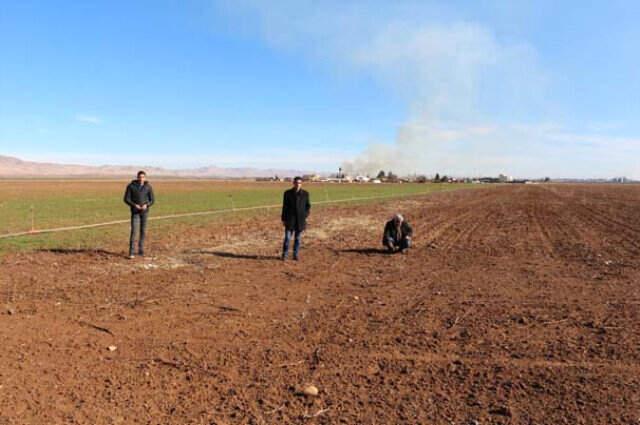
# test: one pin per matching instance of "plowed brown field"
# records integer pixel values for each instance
(517, 305)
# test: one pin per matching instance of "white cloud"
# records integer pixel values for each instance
(88, 119)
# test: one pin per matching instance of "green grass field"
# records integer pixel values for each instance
(47, 204)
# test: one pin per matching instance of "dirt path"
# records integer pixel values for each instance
(518, 305)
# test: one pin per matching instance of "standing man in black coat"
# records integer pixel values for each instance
(295, 210)
(139, 197)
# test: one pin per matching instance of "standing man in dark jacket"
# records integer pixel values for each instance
(397, 234)
(295, 210)
(139, 197)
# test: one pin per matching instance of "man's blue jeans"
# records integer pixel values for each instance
(288, 234)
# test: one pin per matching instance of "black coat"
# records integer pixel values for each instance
(295, 209)
(391, 231)
(138, 195)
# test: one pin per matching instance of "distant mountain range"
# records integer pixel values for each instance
(11, 167)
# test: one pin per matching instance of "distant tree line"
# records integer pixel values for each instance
(438, 179)
(389, 176)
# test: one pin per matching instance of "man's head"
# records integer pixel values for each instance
(398, 218)
(297, 182)
(142, 176)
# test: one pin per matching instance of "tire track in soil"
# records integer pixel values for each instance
(605, 217)
(601, 239)
(542, 232)
(449, 231)
(575, 234)
(442, 234)
(466, 236)
(444, 359)
(600, 220)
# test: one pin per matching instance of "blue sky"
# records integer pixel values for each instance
(525, 88)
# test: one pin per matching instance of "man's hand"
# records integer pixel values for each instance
(138, 207)
(144, 207)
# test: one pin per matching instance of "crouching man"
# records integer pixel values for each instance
(397, 234)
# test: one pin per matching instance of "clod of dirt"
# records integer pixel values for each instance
(501, 410)
(112, 348)
(373, 369)
(310, 391)
(11, 311)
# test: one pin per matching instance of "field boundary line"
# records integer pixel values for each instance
(199, 214)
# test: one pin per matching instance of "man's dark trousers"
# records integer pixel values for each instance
(288, 234)
(402, 244)
(138, 229)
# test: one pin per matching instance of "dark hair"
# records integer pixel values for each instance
(141, 173)
(297, 178)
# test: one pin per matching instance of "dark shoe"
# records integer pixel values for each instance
(296, 258)
(283, 257)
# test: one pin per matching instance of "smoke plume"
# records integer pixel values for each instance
(477, 103)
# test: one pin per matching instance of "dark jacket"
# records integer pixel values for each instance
(295, 209)
(140, 195)
(391, 231)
